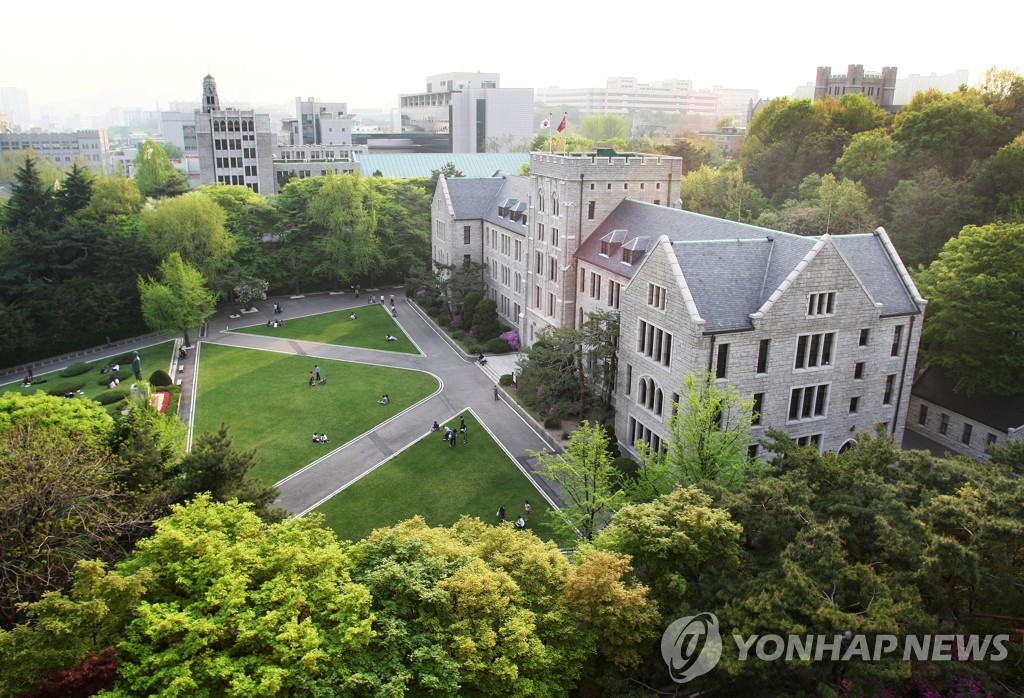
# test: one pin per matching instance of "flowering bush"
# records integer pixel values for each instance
(512, 337)
(421, 292)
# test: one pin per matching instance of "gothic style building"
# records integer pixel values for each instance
(821, 331)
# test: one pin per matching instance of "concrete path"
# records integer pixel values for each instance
(465, 386)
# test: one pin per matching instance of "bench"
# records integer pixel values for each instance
(179, 381)
(181, 368)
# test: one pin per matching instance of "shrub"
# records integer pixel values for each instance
(458, 335)
(76, 369)
(505, 379)
(160, 378)
(120, 375)
(627, 467)
(512, 338)
(469, 304)
(552, 421)
(474, 349)
(497, 346)
(61, 387)
(108, 397)
(485, 320)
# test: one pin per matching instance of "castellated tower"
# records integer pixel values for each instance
(571, 194)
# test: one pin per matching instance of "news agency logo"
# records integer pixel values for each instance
(691, 646)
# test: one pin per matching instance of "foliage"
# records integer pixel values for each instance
(505, 379)
(547, 372)
(721, 193)
(602, 128)
(78, 419)
(60, 502)
(486, 325)
(976, 309)
(193, 226)
(76, 369)
(179, 301)
(112, 395)
(512, 339)
(159, 378)
(154, 173)
(249, 290)
(345, 210)
(469, 303)
(214, 466)
(497, 345)
(926, 211)
(707, 440)
(586, 479)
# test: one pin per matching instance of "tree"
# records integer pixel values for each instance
(827, 205)
(548, 379)
(925, 212)
(249, 290)
(721, 193)
(345, 209)
(999, 181)
(602, 128)
(193, 226)
(60, 502)
(948, 131)
(599, 336)
(214, 466)
(485, 320)
(587, 480)
(75, 191)
(112, 197)
(974, 329)
(707, 441)
(31, 205)
(179, 301)
(154, 173)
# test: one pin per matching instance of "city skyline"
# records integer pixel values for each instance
(90, 59)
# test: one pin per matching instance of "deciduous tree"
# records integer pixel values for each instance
(179, 301)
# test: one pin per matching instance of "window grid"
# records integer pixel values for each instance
(814, 350)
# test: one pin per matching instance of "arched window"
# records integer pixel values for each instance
(540, 200)
(554, 205)
(641, 395)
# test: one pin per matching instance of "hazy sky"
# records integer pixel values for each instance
(140, 54)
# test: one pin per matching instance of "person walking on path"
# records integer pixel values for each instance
(527, 507)
(495, 393)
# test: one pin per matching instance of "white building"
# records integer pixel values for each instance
(473, 109)
(62, 149)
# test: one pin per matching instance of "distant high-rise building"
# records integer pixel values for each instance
(235, 146)
(317, 142)
(473, 110)
(14, 103)
(909, 86)
(880, 88)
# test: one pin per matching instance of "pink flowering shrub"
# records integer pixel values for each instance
(512, 337)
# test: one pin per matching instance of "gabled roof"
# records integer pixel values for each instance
(1000, 412)
(733, 269)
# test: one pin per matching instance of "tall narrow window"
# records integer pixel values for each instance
(755, 417)
(723, 360)
(944, 424)
(897, 336)
(467, 235)
(965, 438)
(890, 381)
(762, 355)
(922, 416)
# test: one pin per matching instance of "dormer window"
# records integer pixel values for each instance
(627, 255)
(604, 248)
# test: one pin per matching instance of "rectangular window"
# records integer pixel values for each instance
(821, 304)
(854, 403)
(965, 437)
(629, 379)
(551, 304)
(614, 288)
(897, 336)
(552, 269)
(655, 343)
(590, 209)
(723, 361)
(990, 440)
(858, 370)
(814, 350)
(467, 236)
(808, 402)
(890, 381)
(811, 440)
(540, 232)
(755, 417)
(864, 334)
(752, 451)
(538, 263)
(762, 355)
(656, 296)
(554, 237)
(922, 416)
(944, 424)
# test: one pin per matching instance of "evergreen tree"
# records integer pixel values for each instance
(75, 191)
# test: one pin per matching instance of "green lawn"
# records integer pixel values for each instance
(441, 484)
(265, 398)
(93, 382)
(372, 324)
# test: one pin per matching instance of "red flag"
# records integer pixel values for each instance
(561, 125)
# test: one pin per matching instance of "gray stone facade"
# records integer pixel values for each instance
(823, 331)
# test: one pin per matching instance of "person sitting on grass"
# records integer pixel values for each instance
(436, 426)
(520, 522)
(352, 316)
(385, 399)
(390, 338)
(316, 438)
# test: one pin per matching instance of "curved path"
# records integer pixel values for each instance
(465, 386)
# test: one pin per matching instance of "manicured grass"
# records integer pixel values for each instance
(372, 324)
(440, 483)
(152, 358)
(265, 398)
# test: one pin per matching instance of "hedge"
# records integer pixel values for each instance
(76, 369)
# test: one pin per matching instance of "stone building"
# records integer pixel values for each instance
(880, 88)
(235, 146)
(822, 331)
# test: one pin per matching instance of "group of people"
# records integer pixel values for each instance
(320, 438)
(275, 323)
(316, 377)
(521, 521)
(452, 435)
(390, 338)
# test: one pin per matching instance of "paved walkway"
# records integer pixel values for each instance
(465, 386)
